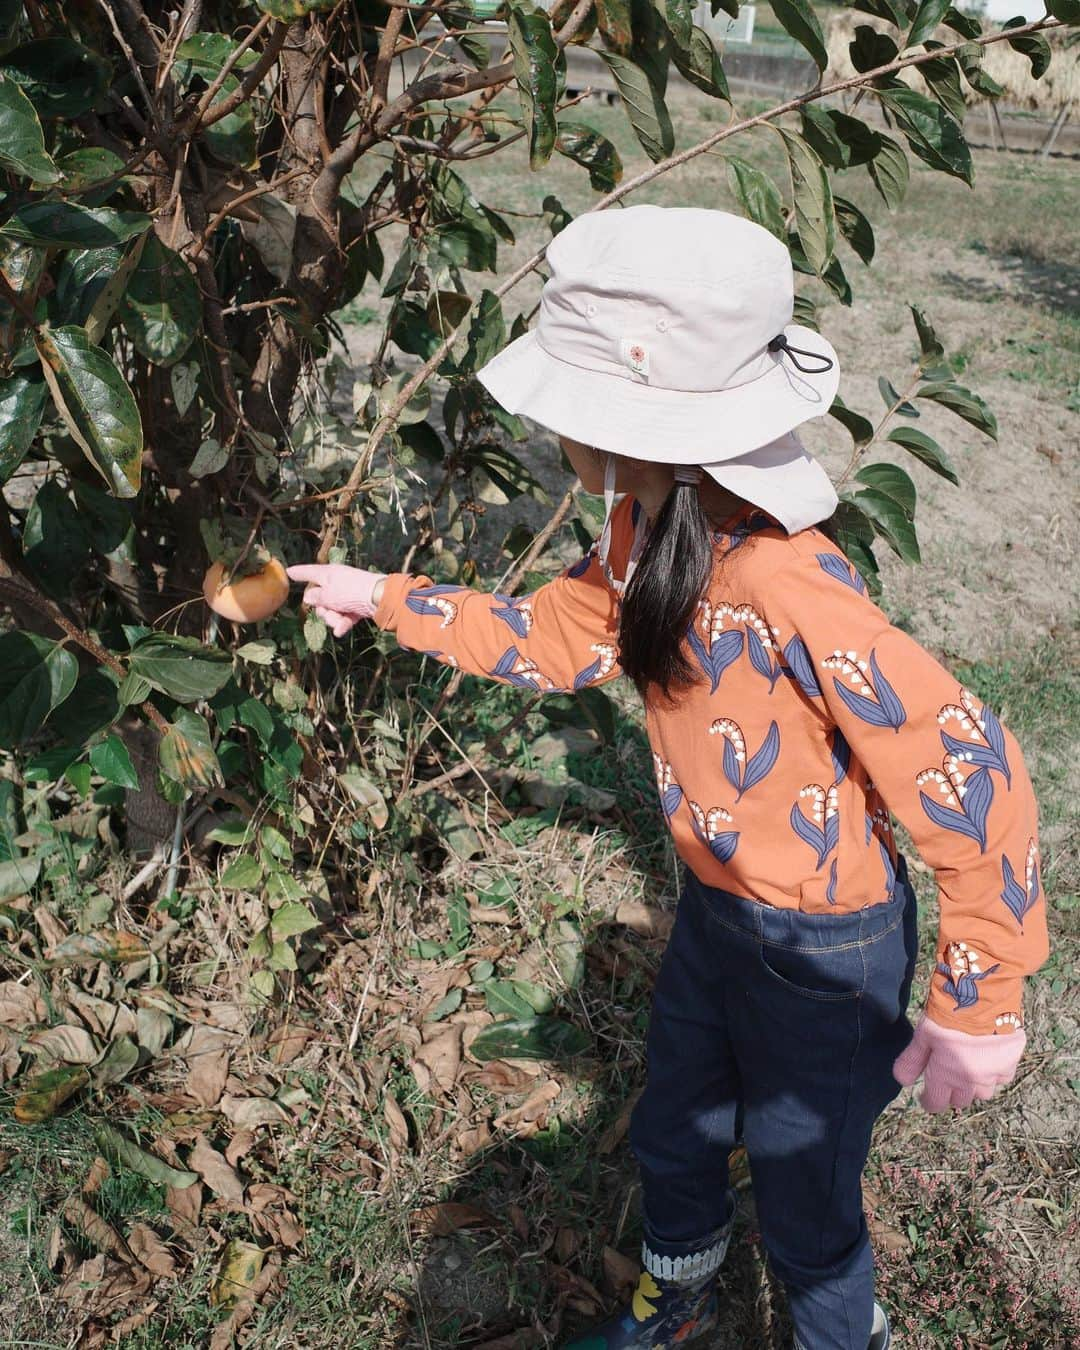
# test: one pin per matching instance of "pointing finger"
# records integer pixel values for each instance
(306, 571)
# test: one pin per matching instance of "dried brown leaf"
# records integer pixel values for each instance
(185, 1206)
(20, 1006)
(532, 1108)
(239, 1146)
(396, 1123)
(105, 944)
(62, 1045)
(620, 1272)
(644, 919)
(50, 927)
(97, 1231)
(206, 1051)
(498, 1076)
(104, 1018)
(617, 1130)
(248, 1113)
(103, 1287)
(443, 1219)
(440, 1060)
(212, 1166)
(151, 1252)
(472, 1139)
(287, 1041)
(99, 1172)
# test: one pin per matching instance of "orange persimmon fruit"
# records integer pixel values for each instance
(246, 599)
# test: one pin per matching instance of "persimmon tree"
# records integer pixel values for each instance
(193, 193)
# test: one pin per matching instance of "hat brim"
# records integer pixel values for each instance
(666, 426)
(786, 482)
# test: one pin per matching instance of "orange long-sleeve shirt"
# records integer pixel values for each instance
(813, 719)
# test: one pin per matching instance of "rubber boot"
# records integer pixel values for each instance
(674, 1303)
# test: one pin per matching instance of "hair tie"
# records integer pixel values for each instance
(781, 344)
(688, 473)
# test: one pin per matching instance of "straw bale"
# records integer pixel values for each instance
(1058, 88)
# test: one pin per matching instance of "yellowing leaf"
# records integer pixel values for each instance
(106, 944)
(44, 1093)
(241, 1263)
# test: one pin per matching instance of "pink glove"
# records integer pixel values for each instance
(339, 595)
(957, 1067)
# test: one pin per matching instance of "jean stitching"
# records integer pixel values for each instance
(803, 947)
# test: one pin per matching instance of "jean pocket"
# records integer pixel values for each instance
(829, 975)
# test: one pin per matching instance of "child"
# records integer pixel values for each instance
(787, 719)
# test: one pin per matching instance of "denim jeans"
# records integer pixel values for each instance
(780, 1028)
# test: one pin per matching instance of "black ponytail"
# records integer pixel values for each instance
(662, 596)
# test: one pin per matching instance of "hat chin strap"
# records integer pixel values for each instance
(610, 470)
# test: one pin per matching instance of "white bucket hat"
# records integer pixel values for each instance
(665, 334)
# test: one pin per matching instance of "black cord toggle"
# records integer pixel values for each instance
(781, 344)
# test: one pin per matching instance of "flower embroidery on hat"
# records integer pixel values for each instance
(635, 356)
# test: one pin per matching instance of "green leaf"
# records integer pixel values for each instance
(943, 80)
(22, 142)
(487, 332)
(893, 482)
(93, 709)
(69, 225)
(854, 533)
(758, 195)
(411, 330)
(613, 18)
(182, 667)
(963, 403)
(679, 17)
(890, 521)
(87, 166)
(113, 288)
(926, 449)
(187, 755)
(870, 49)
(207, 53)
(798, 19)
(593, 152)
(644, 106)
(116, 1147)
(61, 78)
(699, 62)
(80, 279)
(929, 342)
(531, 1038)
(929, 14)
(291, 919)
(890, 172)
(967, 25)
(161, 308)
(819, 131)
(932, 134)
(970, 59)
(1032, 45)
(502, 996)
(861, 142)
(1068, 11)
(855, 228)
(288, 10)
(96, 405)
(111, 760)
(535, 54)
(36, 675)
(897, 12)
(448, 1004)
(890, 396)
(814, 217)
(55, 542)
(22, 402)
